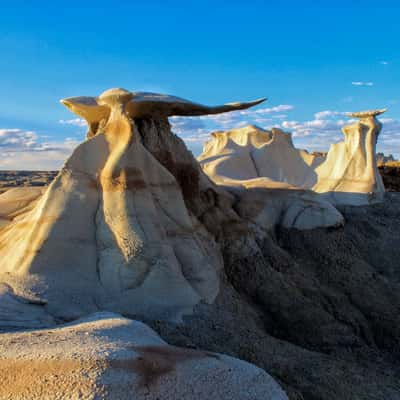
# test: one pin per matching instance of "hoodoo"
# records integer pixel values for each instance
(112, 231)
(350, 173)
(254, 157)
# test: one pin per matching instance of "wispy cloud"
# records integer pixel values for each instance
(17, 138)
(24, 149)
(384, 62)
(74, 121)
(359, 83)
(320, 115)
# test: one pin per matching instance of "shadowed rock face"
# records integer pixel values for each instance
(318, 309)
(390, 174)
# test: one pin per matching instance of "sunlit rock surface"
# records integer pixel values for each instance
(105, 356)
(253, 157)
(241, 155)
(350, 173)
(112, 231)
(270, 177)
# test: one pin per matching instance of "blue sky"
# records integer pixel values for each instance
(312, 61)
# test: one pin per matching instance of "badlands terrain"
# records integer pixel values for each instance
(257, 271)
(390, 173)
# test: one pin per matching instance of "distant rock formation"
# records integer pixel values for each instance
(268, 175)
(253, 157)
(111, 357)
(382, 159)
(350, 175)
(319, 153)
(240, 155)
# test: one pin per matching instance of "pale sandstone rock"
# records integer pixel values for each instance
(18, 200)
(143, 105)
(252, 152)
(105, 356)
(112, 231)
(268, 174)
(251, 157)
(350, 173)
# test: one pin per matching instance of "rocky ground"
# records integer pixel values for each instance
(25, 178)
(105, 356)
(391, 176)
(318, 310)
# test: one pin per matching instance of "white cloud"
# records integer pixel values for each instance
(359, 83)
(384, 62)
(328, 113)
(280, 108)
(21, 149)
(75, 122)
(182, 125)
(324, 125)
(17, 138)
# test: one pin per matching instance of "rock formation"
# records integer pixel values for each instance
(96, 110)
(112, 231)
(240, 156)
(253, 157)
(17, 201)
(382, 158)
(268, 175)
(105, 356)
(350, 175)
